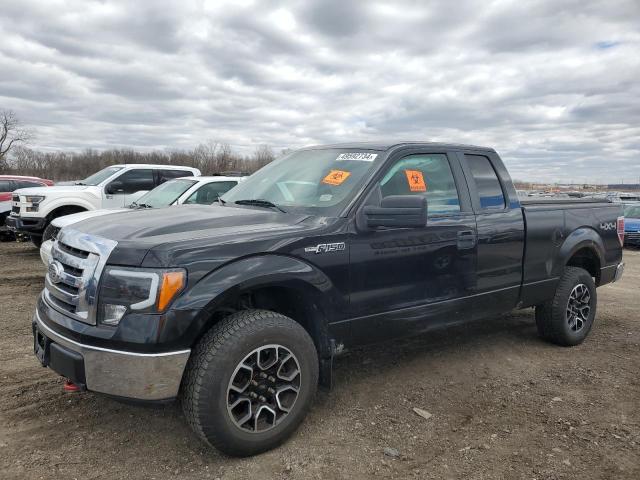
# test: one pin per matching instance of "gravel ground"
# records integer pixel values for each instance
(504, 404)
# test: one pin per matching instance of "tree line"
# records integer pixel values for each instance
(211, 158)
(18, 159)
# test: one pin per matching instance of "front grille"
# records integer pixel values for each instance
(71, 284)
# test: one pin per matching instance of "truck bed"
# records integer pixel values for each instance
(554, 226)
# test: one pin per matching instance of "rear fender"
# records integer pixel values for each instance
(584, 237)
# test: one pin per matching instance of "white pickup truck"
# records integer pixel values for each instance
(180, 191)
(112, 187)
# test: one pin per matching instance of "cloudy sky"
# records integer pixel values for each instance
(553, 85)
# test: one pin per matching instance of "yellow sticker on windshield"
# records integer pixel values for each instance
(336, 177)
(416, 181)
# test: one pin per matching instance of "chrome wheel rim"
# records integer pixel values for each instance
(263, 389)
(578, 307)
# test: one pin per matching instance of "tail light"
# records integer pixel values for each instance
(620, 229)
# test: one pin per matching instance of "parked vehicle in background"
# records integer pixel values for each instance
(241, 307)
(632, 224)
(5, 233)
(11, 183)
(113, 187)
(186, 190)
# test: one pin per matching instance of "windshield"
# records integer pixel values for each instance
(100, 176)
(632, 211)
(165, 194)
(318, 181)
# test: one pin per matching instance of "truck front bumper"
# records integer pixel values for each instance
(139, 376)
(27, 225)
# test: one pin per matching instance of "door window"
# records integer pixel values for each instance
(165, 175)
(135, 180)
(209, 193)
(487, 183)
(424, 174)
(5, 186)
(26, 184)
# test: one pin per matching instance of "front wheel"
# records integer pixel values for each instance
(250, 382)
(567, 318)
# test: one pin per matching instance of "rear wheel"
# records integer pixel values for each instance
(250, 382)
(567, 318)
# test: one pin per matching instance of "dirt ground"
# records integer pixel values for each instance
(504, 404)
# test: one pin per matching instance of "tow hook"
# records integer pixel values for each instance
(71, 387)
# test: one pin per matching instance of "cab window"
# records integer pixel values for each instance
(428, 175)
(487, 183)
(135, 181)
(209, 193)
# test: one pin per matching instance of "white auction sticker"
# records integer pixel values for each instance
(361, 156)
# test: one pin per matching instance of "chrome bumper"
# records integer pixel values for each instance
(619, 272)
(141, 376)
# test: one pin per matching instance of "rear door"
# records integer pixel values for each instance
(500, 233)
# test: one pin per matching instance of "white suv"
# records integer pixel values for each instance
(113, 187)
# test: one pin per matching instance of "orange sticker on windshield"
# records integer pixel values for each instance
(416, 181)
(336, 177)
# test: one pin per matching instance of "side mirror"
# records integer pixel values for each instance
(398, 211)
(114, 187)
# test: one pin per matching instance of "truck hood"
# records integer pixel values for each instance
(55, 190)
(77, 217)
(174, 231)
(632, 224)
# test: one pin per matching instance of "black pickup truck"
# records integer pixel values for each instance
(238, 309)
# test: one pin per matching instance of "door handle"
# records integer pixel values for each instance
(466, 239)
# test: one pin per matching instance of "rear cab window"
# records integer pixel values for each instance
(170, 174)
(488, 187)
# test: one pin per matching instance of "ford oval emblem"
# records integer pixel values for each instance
(55, 271)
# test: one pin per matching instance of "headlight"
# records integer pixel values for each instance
(138, 290)
(34, 200)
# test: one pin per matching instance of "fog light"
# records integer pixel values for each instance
(111, 314)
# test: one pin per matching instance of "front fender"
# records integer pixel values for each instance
(67, 202)
(261, 271)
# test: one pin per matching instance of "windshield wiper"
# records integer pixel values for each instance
(259, 202)
(139, 205)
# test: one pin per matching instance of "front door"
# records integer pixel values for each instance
(408, 279)
(128, 187)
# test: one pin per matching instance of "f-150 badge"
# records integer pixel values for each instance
(326, 247)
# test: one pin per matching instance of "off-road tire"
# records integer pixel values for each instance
(551, 316)
(48, 232)
(212, 364)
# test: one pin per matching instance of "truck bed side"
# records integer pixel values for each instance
(567, 232)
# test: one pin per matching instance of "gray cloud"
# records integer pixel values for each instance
(552, 85)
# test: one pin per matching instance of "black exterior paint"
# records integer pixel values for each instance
(386, 282)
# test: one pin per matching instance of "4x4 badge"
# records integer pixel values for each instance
(326, 247)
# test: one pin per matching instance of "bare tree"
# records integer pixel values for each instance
(11, 134)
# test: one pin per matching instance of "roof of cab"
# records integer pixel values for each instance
(152, 165)
(387, 145)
